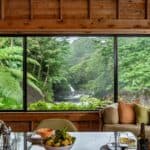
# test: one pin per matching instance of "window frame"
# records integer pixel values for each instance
(115, 62)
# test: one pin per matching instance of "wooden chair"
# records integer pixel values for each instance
(57, 124)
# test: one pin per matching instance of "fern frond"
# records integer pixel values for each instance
(32, 84)
(10, 87)
(33, 61)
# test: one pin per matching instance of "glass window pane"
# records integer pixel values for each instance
(69, 73)
(134, 68)
(11, 74)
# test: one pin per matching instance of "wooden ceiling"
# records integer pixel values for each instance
(75, 16)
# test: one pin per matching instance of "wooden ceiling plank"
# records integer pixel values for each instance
(2, 9)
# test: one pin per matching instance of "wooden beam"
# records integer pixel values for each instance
(60, 2)
(2, 9)
(89, 9)
(117, 9)
(146, 9)
(30, 9)
(86, 26)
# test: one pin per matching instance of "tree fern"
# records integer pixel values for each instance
(11, 77)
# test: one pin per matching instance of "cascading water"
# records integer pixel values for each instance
(72, 95)
(72, 90)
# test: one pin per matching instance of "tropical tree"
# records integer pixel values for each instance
(50, 53)
(93, 74)
(11, 74)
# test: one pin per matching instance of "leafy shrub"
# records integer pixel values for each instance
(40, 105)
(87, 103)
(9, 104)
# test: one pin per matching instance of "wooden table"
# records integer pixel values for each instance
(84, 140)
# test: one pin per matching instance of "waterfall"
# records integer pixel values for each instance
(72, 90)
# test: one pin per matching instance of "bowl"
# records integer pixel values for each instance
(58, 148)
(59, 140)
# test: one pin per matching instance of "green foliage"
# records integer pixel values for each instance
(134, 64)
(94, 73)
(87, 64)
(9, 104)
(81, 48)
(9, 86)
(11, 75)
(94, 103)
(50, 53)
(87, 103)
(40, 105)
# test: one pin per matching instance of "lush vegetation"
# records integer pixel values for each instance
(73, 73)
(86, 103)
(134, 68)
(11, 74)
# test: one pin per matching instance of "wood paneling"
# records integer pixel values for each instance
(85, 26)
(19, 126)
(2, 8)
(105, 9)
(75, 9)
(131, 9)
(15, 9)
(45, 9)
(84, 121)
(148, 9)
(75, 16)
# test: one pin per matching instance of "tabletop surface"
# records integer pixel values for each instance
(84, 140)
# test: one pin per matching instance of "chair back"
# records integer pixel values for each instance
(57, 124)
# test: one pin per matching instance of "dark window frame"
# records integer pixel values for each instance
(25, 43)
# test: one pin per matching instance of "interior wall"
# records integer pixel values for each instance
(70, 17)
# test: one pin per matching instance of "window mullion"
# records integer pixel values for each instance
(25, 73)
(115, 69)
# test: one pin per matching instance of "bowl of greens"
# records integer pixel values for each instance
(60, 140)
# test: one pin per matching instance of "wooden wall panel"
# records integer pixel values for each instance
(131, 9)
(1, 9)
(45, 9)
(105, 9)
(84, 121)
(148, 9)
(75, 16)
(19, 126)
(74, 9)
(16, 9)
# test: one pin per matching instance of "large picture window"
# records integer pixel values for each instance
(61, 73)
(70, 73)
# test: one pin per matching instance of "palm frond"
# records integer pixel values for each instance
(31, 77)
(33, 61)
(32, 84)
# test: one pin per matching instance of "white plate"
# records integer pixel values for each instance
(35, 139)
